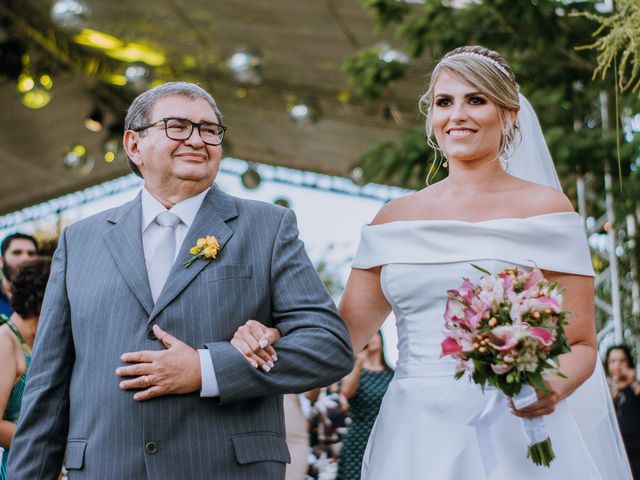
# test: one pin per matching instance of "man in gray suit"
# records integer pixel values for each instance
(134, 373)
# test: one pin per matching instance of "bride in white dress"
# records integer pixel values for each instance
(419, 246)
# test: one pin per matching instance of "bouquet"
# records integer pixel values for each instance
(507, 331)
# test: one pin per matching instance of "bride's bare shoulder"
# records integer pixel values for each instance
(540, 199)
(404, 208)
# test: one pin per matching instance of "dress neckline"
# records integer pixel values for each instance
(481, 222)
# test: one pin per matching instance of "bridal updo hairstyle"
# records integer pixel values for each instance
(487, 71)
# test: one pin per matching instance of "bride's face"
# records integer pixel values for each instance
(466, 123)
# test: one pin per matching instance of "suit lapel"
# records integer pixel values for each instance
(124, 241)
(217, 207)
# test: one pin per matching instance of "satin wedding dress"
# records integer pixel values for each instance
(424, 428)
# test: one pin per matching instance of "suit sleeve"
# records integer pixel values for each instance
(38, 447)
(314, 350)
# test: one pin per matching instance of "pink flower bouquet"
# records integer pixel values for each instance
(507, 331)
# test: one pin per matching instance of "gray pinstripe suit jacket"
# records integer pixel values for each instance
(98, 305)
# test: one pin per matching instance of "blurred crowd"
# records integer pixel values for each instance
(328, 429)
(24, 279)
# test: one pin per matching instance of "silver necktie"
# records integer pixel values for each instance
(164, 255)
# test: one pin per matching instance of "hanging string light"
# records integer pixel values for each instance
(357, 176)
(303, 111)
(70, 15)
(138, 75)
(94, 122)
(283, 202)
(112, 149)
(77, 160)
(250, 178)
(246, 67)
(35, 89)
(389, 54)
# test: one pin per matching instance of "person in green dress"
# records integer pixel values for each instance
(364, 387)
(17, 334)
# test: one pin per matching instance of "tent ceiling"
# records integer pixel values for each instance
(303, 45)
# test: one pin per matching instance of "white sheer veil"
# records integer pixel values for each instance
(531, 159)
(591, 403)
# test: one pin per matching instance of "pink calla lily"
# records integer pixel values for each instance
(534, 277)
(542, 334)
(467, 290)
(547, 303)
(507, 281)
(450, 346)
(505, 337)
(473, 317)
(454, 311)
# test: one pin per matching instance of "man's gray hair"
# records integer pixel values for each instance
(139, 113)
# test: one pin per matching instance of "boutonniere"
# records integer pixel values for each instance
(207, 248)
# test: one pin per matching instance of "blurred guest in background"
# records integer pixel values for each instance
(625, 390)
(328, 426)
(14, 250)
(297, 431)
(364, 387)
(17, 333)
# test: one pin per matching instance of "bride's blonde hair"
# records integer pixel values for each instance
(487, 71)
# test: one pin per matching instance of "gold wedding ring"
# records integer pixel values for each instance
(147, 381)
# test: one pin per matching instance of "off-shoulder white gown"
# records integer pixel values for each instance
(423, 430)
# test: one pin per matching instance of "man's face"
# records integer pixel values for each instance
(20, 250)
(164, 162)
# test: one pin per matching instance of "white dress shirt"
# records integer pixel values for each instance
(186, 210)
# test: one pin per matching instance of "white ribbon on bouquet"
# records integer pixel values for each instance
(534, 429)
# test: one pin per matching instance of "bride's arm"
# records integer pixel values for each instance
(363, 306)
(577, 365)
(578, 298)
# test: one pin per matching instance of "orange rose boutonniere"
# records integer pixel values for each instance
(207, 248)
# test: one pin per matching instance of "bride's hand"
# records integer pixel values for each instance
(254, 340)
(545, 405)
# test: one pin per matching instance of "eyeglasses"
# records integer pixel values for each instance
(182, 129)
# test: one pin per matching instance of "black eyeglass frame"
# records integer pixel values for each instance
(193, 125)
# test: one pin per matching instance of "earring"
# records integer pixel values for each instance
(445, 161)
(503, 155)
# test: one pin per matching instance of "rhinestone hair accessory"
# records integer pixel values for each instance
(484, 57)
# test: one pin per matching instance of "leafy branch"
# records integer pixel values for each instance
(386, 11)
(405, 162)
(369, 74)
(618, 36)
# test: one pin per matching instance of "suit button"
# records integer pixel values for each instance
(151, 335)
(151, 447)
